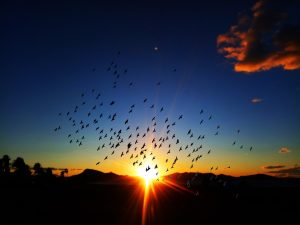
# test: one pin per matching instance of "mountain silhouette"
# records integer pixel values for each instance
(95, 176)
(194, 179)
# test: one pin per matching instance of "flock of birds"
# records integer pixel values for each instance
(118, 134)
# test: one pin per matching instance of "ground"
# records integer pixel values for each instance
(122, 204)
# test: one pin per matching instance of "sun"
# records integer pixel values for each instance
(147, 174)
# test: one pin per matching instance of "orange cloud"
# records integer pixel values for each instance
(284, 150)
(289, 172)
(261, 43)
(273, 167)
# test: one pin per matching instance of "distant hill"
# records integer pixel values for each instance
(195, 179)
(95, 176)
(210, 179)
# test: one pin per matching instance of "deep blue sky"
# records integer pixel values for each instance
(49, 50)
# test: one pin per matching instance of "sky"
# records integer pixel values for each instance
(238, 61)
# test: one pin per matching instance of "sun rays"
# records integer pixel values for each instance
(147, 173)
(152, 185)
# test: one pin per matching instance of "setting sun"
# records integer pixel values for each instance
(147, 173)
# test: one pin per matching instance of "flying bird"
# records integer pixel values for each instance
(148, 168)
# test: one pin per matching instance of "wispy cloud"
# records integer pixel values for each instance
(256, 100)
(273, 167)
(284, 150)
(294, 171)
(263, 41)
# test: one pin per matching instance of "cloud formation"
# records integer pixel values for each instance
(294, 171)
(273, 167)
(262, 41)
(284, 150)
(256, 100)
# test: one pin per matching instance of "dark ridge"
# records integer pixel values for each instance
(95, 176)
(259, 177)
(210, 179)
(90, 175)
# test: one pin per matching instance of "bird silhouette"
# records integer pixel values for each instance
(148, 168)
(93, 114)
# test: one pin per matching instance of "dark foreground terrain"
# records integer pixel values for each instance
(82, 200)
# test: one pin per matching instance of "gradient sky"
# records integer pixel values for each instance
(49, 50)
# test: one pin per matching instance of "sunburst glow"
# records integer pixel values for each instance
(147, 173)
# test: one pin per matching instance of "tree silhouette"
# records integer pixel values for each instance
(38, 169)
(5, 164)
(1, 167)
(21, 169)
(49, 172)
(66, 171)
